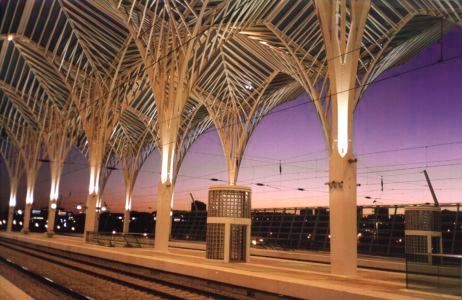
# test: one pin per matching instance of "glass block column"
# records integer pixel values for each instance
(422, 232)
(228, 223)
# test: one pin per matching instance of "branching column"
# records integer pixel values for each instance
(59, 135)
(342, 38)
(31, 150)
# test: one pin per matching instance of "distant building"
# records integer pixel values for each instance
(197, 205)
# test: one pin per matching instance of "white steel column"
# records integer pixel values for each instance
(342, 41)
(342, 211)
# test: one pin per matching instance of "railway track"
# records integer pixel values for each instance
(103, 279)
(51, 288)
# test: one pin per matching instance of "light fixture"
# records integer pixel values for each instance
(342, 124)
(10, 38)
(79, 206)
(248, 86)
(53, 205)
(19, 212)
(103, 208)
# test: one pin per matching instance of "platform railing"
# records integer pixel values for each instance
(435, 273)
(380, 228)
(112, 239)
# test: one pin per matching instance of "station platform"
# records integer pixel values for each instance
(9, 291)
(301, 279)
(364, 261)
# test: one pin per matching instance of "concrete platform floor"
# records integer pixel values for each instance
(305, 280)
(366, 261)
(9, 291)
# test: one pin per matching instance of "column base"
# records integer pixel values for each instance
(50, 234)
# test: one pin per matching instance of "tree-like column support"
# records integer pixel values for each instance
(9, 224)
(342, 40)
(343, 219)
(163, 216)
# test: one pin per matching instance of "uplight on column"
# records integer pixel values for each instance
(54, 191)
(128, 203)
(167, 170)
(30, 196)
(342, 124)
(94, 178)
(12, 202)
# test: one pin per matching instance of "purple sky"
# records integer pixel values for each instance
(420, 112)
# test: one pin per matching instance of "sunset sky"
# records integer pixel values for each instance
(403, 125)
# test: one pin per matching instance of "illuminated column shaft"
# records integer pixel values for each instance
(12, 203)
(92, 214)
(165, 191)
(128, 208)
(29, 201)
(93, 200)
(342, 207)
(342, 24)
(56, 169)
